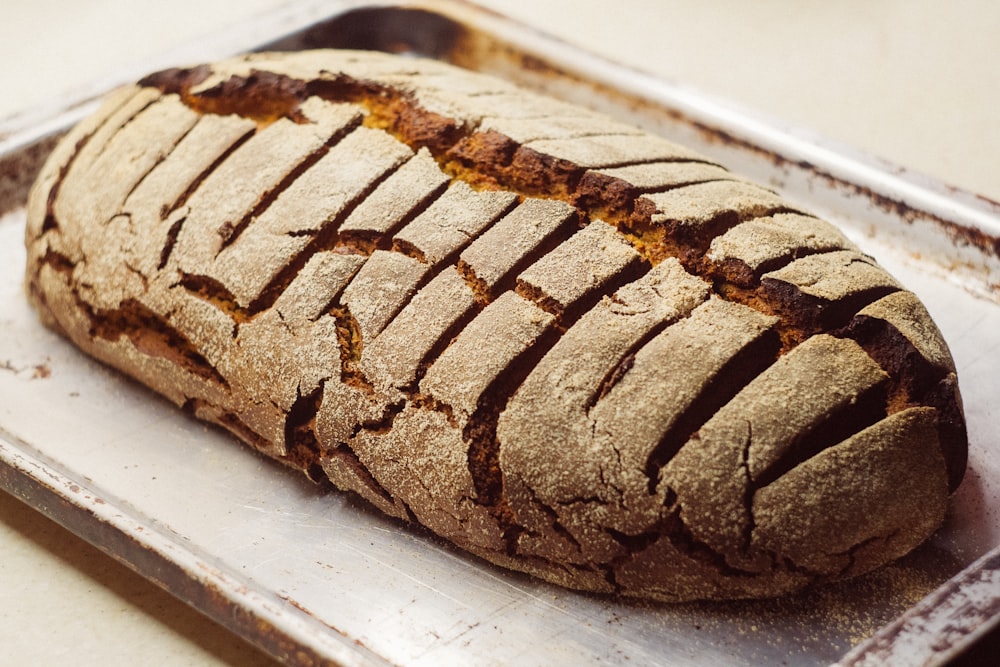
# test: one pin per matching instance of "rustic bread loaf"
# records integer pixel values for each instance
(568, 346)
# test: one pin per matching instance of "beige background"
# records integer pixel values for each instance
(912, 81)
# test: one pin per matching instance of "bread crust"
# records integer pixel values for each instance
(570, 347)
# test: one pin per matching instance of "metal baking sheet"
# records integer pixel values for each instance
(314, 576)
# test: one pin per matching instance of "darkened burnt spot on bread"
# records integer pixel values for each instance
(570, 347)
(211, 290)
(154, 336)
(303, 450)
(262, 96)
(913, 380)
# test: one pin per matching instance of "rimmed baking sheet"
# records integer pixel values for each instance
(312, 575)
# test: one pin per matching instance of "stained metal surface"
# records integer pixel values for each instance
(313, 576)
(942, 624)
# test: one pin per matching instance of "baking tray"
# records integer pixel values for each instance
(314, 576)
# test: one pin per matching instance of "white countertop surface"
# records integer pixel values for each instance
(914, 82)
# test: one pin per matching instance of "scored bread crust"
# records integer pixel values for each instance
(570, 347)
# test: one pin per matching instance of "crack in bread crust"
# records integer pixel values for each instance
(570, 347)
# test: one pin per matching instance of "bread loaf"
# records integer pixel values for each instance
(568, 346)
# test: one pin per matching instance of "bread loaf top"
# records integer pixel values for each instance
(570, 347)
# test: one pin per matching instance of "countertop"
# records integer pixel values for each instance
(914, 82)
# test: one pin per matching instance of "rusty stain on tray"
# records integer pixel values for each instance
(305, 610)
(38, 371)
(18, 171)
(959, 234)
(924, 622)
(843, 609)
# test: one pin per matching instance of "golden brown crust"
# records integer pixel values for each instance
(570, 347)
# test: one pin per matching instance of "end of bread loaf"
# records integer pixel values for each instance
(570, 347)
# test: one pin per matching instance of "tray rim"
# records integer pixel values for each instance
(85, 511)
(923, 196)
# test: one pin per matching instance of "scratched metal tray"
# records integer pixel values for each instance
(313, 576)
